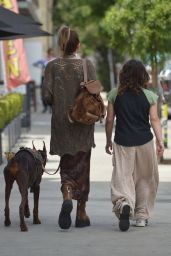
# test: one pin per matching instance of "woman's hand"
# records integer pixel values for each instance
(156, 125)
(159, 148)
(109, 147)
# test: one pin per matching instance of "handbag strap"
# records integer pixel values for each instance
(85, 70)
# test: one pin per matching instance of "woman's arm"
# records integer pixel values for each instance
(156, 125)
(109, 127)
(47, 91)
(39, 64)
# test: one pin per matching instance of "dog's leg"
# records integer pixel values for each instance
(22, 181)
(36, 219)
(8, 186)
(26, 209)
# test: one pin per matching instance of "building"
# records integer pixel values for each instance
(41, 11)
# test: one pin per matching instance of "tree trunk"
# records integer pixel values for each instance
(111, 68)
(154, 75)
(155, 84)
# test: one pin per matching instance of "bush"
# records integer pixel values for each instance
(5, 106)
(10, 106)
(2, 119)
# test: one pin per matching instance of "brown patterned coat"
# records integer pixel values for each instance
(60, 88)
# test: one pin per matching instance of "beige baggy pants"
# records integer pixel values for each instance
(134, 179)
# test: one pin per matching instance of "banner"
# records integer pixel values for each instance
(16, 68)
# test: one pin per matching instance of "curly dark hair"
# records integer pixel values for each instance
(133, 76)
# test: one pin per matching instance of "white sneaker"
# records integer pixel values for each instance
(141, 223)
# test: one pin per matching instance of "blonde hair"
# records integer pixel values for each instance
(68, 40)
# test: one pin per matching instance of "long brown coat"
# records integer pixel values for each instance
(61, 85)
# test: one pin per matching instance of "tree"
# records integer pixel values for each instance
(85, 17)
(77, 14)
(140, 28)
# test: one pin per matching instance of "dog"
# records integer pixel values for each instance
(26, 167)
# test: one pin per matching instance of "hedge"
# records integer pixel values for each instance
(10, 106)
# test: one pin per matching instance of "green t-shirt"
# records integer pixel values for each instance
(151, 96)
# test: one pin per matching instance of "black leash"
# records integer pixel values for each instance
(55, 171)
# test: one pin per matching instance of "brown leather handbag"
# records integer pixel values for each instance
(88, 107)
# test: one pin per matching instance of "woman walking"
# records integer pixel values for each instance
(71, 141)
(135, 172)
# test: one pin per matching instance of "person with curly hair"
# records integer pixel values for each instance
(135, 170)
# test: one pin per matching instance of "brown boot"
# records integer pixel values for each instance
(67, 206)
(82, 219)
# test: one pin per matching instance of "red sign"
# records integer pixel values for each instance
(16, 68)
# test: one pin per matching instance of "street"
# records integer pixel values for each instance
(103, 236)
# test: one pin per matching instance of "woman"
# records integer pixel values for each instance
(135, 171)
(71, 141)
(42, 64)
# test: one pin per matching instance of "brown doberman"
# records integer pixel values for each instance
(26, 168)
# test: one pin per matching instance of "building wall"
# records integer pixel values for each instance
(45, 16)
(36, 47)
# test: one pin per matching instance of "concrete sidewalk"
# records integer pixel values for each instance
(103, 237)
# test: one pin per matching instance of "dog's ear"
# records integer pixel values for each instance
(33, 145)
(44, 147)
(9, 155)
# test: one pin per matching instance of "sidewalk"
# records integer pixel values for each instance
(103, 237)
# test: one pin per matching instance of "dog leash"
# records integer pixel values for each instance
(55, 171)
